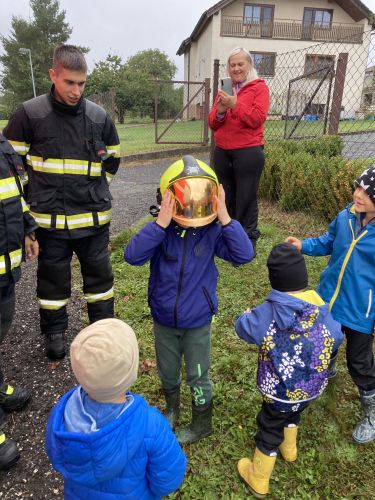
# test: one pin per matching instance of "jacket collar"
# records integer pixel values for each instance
(65, 108)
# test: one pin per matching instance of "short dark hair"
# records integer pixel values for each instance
(69, 57)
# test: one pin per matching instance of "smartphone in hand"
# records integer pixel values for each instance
(226, 85)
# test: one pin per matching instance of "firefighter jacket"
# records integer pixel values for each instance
(71, 154)
(15, 218)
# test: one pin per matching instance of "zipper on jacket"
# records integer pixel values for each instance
(369, 303)
(180, 276)
(344, 264)
(208, 298)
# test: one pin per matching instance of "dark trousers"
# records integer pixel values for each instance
(195, 345)
(54, 277)
(360, 358)
(7, 306)
(239, 171)
(271, 425)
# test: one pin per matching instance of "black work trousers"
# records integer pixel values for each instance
(271, 425)
(54, 277)
(7, 306)
(239, 171)
(360, 358)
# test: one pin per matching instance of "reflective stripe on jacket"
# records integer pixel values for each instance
(15, 218)
(71, 154)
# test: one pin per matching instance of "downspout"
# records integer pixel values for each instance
(188, 85)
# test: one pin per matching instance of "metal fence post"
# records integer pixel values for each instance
(338, 92)
(207, 91)
(215, 87)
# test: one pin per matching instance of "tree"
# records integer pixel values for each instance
(106, 76)
(46, 30)
(133, 81)
(141, 71)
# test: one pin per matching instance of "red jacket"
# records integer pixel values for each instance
(243, 126)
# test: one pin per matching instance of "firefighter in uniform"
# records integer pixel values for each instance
(17, 228)
(71, 150)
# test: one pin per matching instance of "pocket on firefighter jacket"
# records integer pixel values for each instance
(99, 191)
(41, 201)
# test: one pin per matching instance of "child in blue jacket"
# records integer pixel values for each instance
(106, 441)
(348, 284)
(181, 246)
(296, 335)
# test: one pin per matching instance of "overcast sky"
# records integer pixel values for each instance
(124, 27)
(121, 27)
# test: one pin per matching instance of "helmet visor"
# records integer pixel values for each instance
(195, 201)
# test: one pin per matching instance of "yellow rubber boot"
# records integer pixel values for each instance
(288, 447)
(257, 473)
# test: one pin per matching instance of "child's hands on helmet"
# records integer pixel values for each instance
(166, 210)
(222, 212)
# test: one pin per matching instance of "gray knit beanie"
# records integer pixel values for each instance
(104, 358)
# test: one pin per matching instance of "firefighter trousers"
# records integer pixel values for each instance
(54, 277)
(7, 306)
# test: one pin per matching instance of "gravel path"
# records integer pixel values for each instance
(133, 189)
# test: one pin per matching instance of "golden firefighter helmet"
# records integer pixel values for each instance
(194, 186)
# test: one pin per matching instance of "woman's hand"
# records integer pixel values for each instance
(222, 212)
(226, 101)
(166, 210)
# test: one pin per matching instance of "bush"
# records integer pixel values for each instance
(310, 176)
(329, 145)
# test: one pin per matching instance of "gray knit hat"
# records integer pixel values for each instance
(104, 358)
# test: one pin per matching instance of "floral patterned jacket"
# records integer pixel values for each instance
(296, 335)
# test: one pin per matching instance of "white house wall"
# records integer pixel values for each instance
(211, 45)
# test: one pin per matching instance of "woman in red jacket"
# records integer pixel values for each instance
(238, 123)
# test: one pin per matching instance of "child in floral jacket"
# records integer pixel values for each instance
(296, 335)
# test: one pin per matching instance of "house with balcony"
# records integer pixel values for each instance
(287, 39)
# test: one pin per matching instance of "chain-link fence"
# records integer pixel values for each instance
(181, 109)
(106, 100)
(327, 88)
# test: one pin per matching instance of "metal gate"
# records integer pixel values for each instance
(308, 103)
(188, 123)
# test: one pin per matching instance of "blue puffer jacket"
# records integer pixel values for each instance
(297, 336)
(183, 275)
(348, 281)
(136, 456)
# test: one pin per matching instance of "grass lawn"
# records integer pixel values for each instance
(329, 465)
(141, 138)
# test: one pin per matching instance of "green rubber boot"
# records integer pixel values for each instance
(200, 426)
(172, 408)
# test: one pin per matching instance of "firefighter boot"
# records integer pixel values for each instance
(13, 398)
(9, 453)
(8, 450)
(288, 447)
(55, 345)
(257, 473)
(172, 410)
(364, 432)
(199, 427)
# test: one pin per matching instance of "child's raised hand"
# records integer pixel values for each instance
(294, 241)
(166, 210)
(222, 211)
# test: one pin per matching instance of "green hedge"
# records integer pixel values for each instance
(310, 176)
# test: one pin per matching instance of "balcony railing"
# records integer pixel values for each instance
(287, 29)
